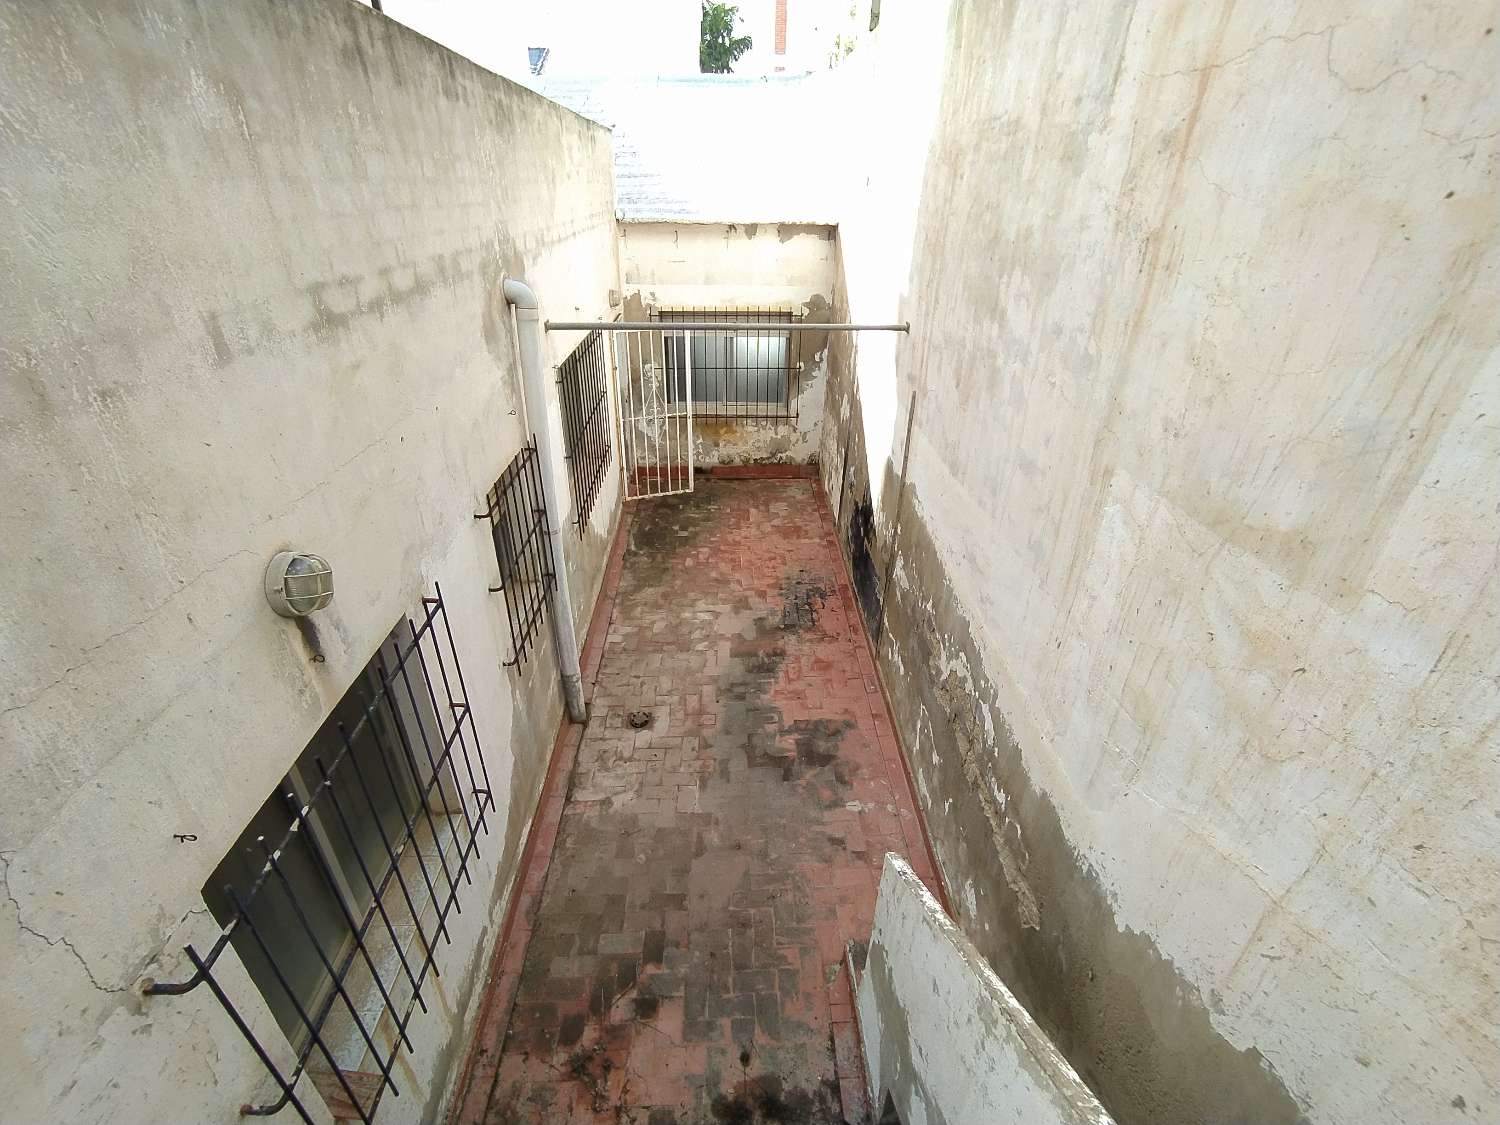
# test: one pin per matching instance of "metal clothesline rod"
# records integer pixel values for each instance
(712, 326)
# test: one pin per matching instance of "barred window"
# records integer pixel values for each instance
(582, 391)
(517, 511)
(338, 891)
(744, 373)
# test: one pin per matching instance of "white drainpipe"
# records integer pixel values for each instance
(564, 637)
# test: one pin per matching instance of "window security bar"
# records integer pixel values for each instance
(582, 387)
(752, 371)
(714, 326)
(364, 877)
(517, 511)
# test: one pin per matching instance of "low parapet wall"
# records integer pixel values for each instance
(944, 1038)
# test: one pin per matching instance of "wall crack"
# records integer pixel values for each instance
(54, 942)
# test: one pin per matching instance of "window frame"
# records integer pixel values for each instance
(415, 677)
(329, 849)
(708, 396)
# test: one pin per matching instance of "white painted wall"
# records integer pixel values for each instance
(742, 265)
(249, 279)
(942, 1035)
(727, 264)
(1208, 416)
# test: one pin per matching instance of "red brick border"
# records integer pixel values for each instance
(482, 1061)
(849, 1038)
(923, 861)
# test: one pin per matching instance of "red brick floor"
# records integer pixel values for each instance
(687, 899)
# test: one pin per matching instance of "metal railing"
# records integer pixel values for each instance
(339, 926)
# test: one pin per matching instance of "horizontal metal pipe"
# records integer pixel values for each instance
(713, 326)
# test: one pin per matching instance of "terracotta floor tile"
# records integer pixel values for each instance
(709, 868)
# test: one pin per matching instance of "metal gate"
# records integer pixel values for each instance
(653, 382)
(654, 389)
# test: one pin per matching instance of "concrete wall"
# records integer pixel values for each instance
(741, 265)
(944, 1039)
(249, 271)
(591, 37)
(1194, 603)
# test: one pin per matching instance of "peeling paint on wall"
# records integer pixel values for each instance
(1119, 1010)
(956, 693)
(727, 266)
(944, 1038)
(1210, 552)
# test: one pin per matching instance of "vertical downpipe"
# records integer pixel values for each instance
(564, 635)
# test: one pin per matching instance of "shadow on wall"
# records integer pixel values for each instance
(1128, 1021)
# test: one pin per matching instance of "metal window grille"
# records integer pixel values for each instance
(357, 863)
(582, 386)
(750, 373)
(517, 511)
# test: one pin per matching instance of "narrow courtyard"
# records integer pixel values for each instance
(720, 841)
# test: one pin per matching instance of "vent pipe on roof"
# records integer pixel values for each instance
(564, 636)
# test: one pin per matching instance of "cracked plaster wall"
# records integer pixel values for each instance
(248, 301)
(741, 265)
(1190, 601)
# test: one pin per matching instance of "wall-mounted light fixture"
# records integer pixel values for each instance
(298, 584)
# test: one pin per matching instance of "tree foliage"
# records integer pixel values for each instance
(719, 47)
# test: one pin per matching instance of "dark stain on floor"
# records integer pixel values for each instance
(817, 740)
(801, 599)
(667, 525)
(711, 866)
(766, 1098)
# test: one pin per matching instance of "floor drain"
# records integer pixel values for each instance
(639, 719)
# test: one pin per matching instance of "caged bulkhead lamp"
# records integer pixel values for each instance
(298, 584)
